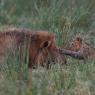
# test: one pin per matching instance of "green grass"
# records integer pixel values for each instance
(75, 79)
(70, 79)
(63, 17)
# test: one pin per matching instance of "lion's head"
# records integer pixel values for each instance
(76, 44)
(43, 46)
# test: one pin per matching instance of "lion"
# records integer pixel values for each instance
(40, 45)
(78, 45)
(79, 49)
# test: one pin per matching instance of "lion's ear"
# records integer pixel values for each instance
(79, 39)
(45, 44)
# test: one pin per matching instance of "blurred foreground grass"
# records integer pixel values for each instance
(76, 78)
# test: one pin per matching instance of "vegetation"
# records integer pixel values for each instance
(63, 17)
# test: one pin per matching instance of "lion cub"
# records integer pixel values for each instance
(78, 45)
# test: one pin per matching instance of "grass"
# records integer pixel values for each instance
(75, 79)
(63, 17)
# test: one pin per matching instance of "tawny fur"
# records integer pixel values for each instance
(81, 46)
(41, 45)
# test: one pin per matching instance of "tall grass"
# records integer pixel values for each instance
(63, 17)
(15, 63)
